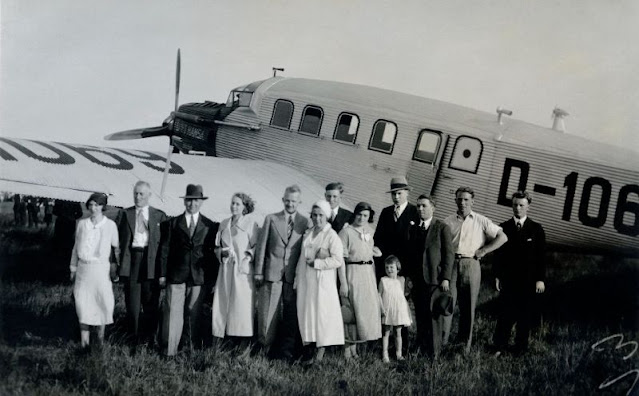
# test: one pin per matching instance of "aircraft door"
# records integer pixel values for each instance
(425, 163)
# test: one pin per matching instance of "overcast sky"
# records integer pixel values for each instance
(75, 71)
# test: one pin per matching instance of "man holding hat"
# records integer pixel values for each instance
(391, 234)
(187, 258)
(430, 267)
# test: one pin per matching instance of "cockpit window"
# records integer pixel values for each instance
(239, 99)
(383, 136)
(282, 114)
(311, 120)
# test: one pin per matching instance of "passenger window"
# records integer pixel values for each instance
(466, 154)
(427, 146)
(383, 136)
(311, 120)
(346, 128)
(282, 114)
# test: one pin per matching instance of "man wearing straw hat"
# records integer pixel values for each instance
(186, 253)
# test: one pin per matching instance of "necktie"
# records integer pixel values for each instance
(140, 225)
(289, 225)
(518, 226)
(423, 225)
(397, 214)
(192, 226)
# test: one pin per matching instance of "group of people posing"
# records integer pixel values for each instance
(297, 284)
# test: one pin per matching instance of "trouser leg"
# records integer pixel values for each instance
(150, 301)
(447, 321)
(290, 334)
(194, 299)
(269, 311)
(421, 301)
(468, 292)
(524, 321)
(504, 321)
(173, 317)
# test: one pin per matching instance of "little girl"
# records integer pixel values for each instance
(395, 313)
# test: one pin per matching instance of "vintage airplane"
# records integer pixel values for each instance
(586, 194)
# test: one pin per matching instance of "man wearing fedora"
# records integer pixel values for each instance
(430, 268)
(474, 236)
(520, 268)
(139, 231)
(391, 234)
(187, 261)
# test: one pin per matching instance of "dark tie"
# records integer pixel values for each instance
(192, 226)
(518, 226)
(289, 224)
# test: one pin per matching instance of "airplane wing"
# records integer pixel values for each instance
(72, 172)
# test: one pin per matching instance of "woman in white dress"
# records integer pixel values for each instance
(318, 306)
(91, 271)
(234, 298)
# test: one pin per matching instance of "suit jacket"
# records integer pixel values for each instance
(126, 229)
(431, 253)
(391, 236)
(183, 258)
(520, 262)
(276, 255)
(343, 216)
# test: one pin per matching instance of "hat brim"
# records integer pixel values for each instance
(193, 197)
(398, 189)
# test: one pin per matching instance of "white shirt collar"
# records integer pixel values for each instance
(426, 222)
(522, 220)
(144, 209)
(401, 207)
(196, 216)
(335, 211)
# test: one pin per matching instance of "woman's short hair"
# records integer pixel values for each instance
(393, 260)
(98, 198)
(247, 201)
(362, 206)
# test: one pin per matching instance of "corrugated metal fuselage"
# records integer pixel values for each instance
(581, 204)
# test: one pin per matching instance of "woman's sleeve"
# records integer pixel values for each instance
(343, 236)
(335, 258)
(218, 244)
(301, 262)
(74, 254)
(115, 238)
(253, 231)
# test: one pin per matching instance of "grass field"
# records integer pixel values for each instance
(588, 298)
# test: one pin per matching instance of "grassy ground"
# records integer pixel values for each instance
(587, 299)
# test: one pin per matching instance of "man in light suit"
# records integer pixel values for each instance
(520, 267)
(139, 231)
(187, 262)
(339, 216)
(276, 255)
(430, 267)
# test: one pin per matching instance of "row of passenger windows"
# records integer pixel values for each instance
(382, 137)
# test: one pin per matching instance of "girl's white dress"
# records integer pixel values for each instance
(394, 303)
(318, 308)
(234, 298)
(92, 290)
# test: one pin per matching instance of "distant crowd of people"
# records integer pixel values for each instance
(298, 284)
(27, 211)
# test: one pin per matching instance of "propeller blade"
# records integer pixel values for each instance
(177, 80)
(139, 133)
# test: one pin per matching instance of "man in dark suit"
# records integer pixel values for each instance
(339, 215)
(519, 273)
(187, 261)
(139, 231)
(430, 266)
(391, 234)
(276, 255)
